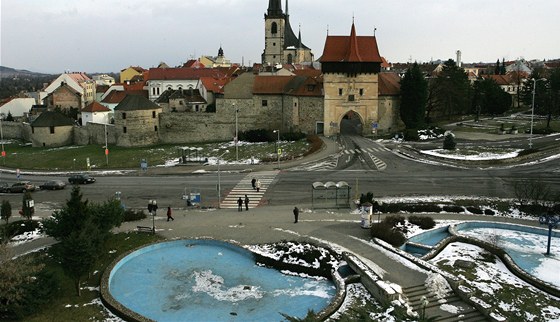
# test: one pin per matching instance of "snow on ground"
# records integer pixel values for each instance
(495, 286)
(26, 237)
(471, 155)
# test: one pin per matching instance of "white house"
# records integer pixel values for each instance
(96, 113)
(18, 106)
(104, 79)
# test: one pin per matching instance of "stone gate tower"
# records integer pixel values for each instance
(281, 45)
(351, 66)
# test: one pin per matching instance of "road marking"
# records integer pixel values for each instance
(244, 187)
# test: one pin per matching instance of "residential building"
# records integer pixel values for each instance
(64, 97)
(217, 61)
(103, 79)
(18, 107)
(181, 100)
(130, 72)
(95, 113)
(79, 82)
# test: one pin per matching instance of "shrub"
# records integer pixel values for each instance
(475, 210)
(489, 212)
(411, 135)
(452, 208)
(422, 221)
(393, 220)
(315, 144)
(133, 215)
(421, 208)
(19, 227)
(385, 232)
(449, 141)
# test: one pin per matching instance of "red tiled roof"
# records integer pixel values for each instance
(114, 97)
(79, 77)
(99, 89)
(389, 84)
(184, 73)
(193, 63)
(215, 85)
(309, 72)
(499, 79)
(362, 49)
(270, 84)
(95, 107)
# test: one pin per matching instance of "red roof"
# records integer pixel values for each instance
(215, 85)
(270, 84)
(499, 79)
(114, 97)
(184, 73)
(95, 107)
(389, 84)
(351, 49)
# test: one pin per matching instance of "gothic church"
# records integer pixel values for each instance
(281, 44)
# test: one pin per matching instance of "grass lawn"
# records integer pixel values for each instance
(74, 157)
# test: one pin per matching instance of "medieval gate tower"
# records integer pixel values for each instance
(351, 66)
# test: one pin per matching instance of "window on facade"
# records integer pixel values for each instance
(273, 44)
(340, 92)
(351, 98)
(295, 104)
(264, 103)
(180, 102)
(274, 28)
(290, 59)
(196, 108)
(32, 129)
(361, 92)
(124, 116)
(155, 128)
(153, 114)
(51, 129)
(124, 129)
(310, 88)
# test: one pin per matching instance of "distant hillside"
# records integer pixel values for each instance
(7, 72)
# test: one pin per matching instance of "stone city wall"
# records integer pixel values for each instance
(94, 133)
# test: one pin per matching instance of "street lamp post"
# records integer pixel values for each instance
(533, 110)
(220, 181)
(236, 135)
(278, 146)
(2, 138)
(106, 147)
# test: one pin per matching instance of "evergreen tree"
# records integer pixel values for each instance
(497, 68)
(450, 91)
(503, 67)
(414, 95)
(449, 141)
(489, 98)
(9, 117)
(6, 211)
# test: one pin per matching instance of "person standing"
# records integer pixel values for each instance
(258, 185)
(246, 203)
(239, 204)
(169, 214)
(253, 183)
(296, 214)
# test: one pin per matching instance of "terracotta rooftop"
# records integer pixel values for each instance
(350, 49)
(95, 107)
(389, 84)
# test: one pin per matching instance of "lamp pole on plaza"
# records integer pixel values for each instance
(533, 109)
(278, 146)
(2, 138)
(220, 181)
(236, 135)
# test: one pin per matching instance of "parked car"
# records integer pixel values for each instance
(4, 187)
(22, 186)
(81, 179)
(53, 185)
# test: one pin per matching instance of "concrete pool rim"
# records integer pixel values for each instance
(129, 315)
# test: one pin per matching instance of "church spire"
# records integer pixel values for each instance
(274, 8)
(287, 14)
(299, 35)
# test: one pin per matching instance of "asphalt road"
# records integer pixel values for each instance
(369, 166)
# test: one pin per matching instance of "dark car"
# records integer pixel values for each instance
(81, 179)
(52, 185)
(22, 186)
(4, 187)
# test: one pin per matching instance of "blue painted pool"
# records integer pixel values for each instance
(431, 237)
(416, 250)
(524, 244)
(204, 280)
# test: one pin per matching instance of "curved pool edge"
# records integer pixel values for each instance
(503, 255)
(129, 315)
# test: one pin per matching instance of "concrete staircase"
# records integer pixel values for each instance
(465, 312)
(244, 187)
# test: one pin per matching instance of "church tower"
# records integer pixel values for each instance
(281, 45)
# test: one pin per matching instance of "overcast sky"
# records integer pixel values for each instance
(108, 35)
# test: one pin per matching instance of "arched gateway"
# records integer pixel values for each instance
(351, 66)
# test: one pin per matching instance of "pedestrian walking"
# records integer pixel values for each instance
(169, 214)
(253, 183)
(239, 204)
(296, 214)
(258, 185)
(246, 203)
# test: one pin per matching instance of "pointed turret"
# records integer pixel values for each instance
(274, 8)
(353, 53)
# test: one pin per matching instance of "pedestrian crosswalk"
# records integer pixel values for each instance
(244, 187)
(364, 150)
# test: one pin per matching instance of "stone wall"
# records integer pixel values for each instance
(138, 127)
(12, 130)
(94, 133)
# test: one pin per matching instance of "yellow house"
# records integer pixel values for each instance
(128, 73)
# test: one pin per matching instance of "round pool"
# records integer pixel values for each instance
(207, 280)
